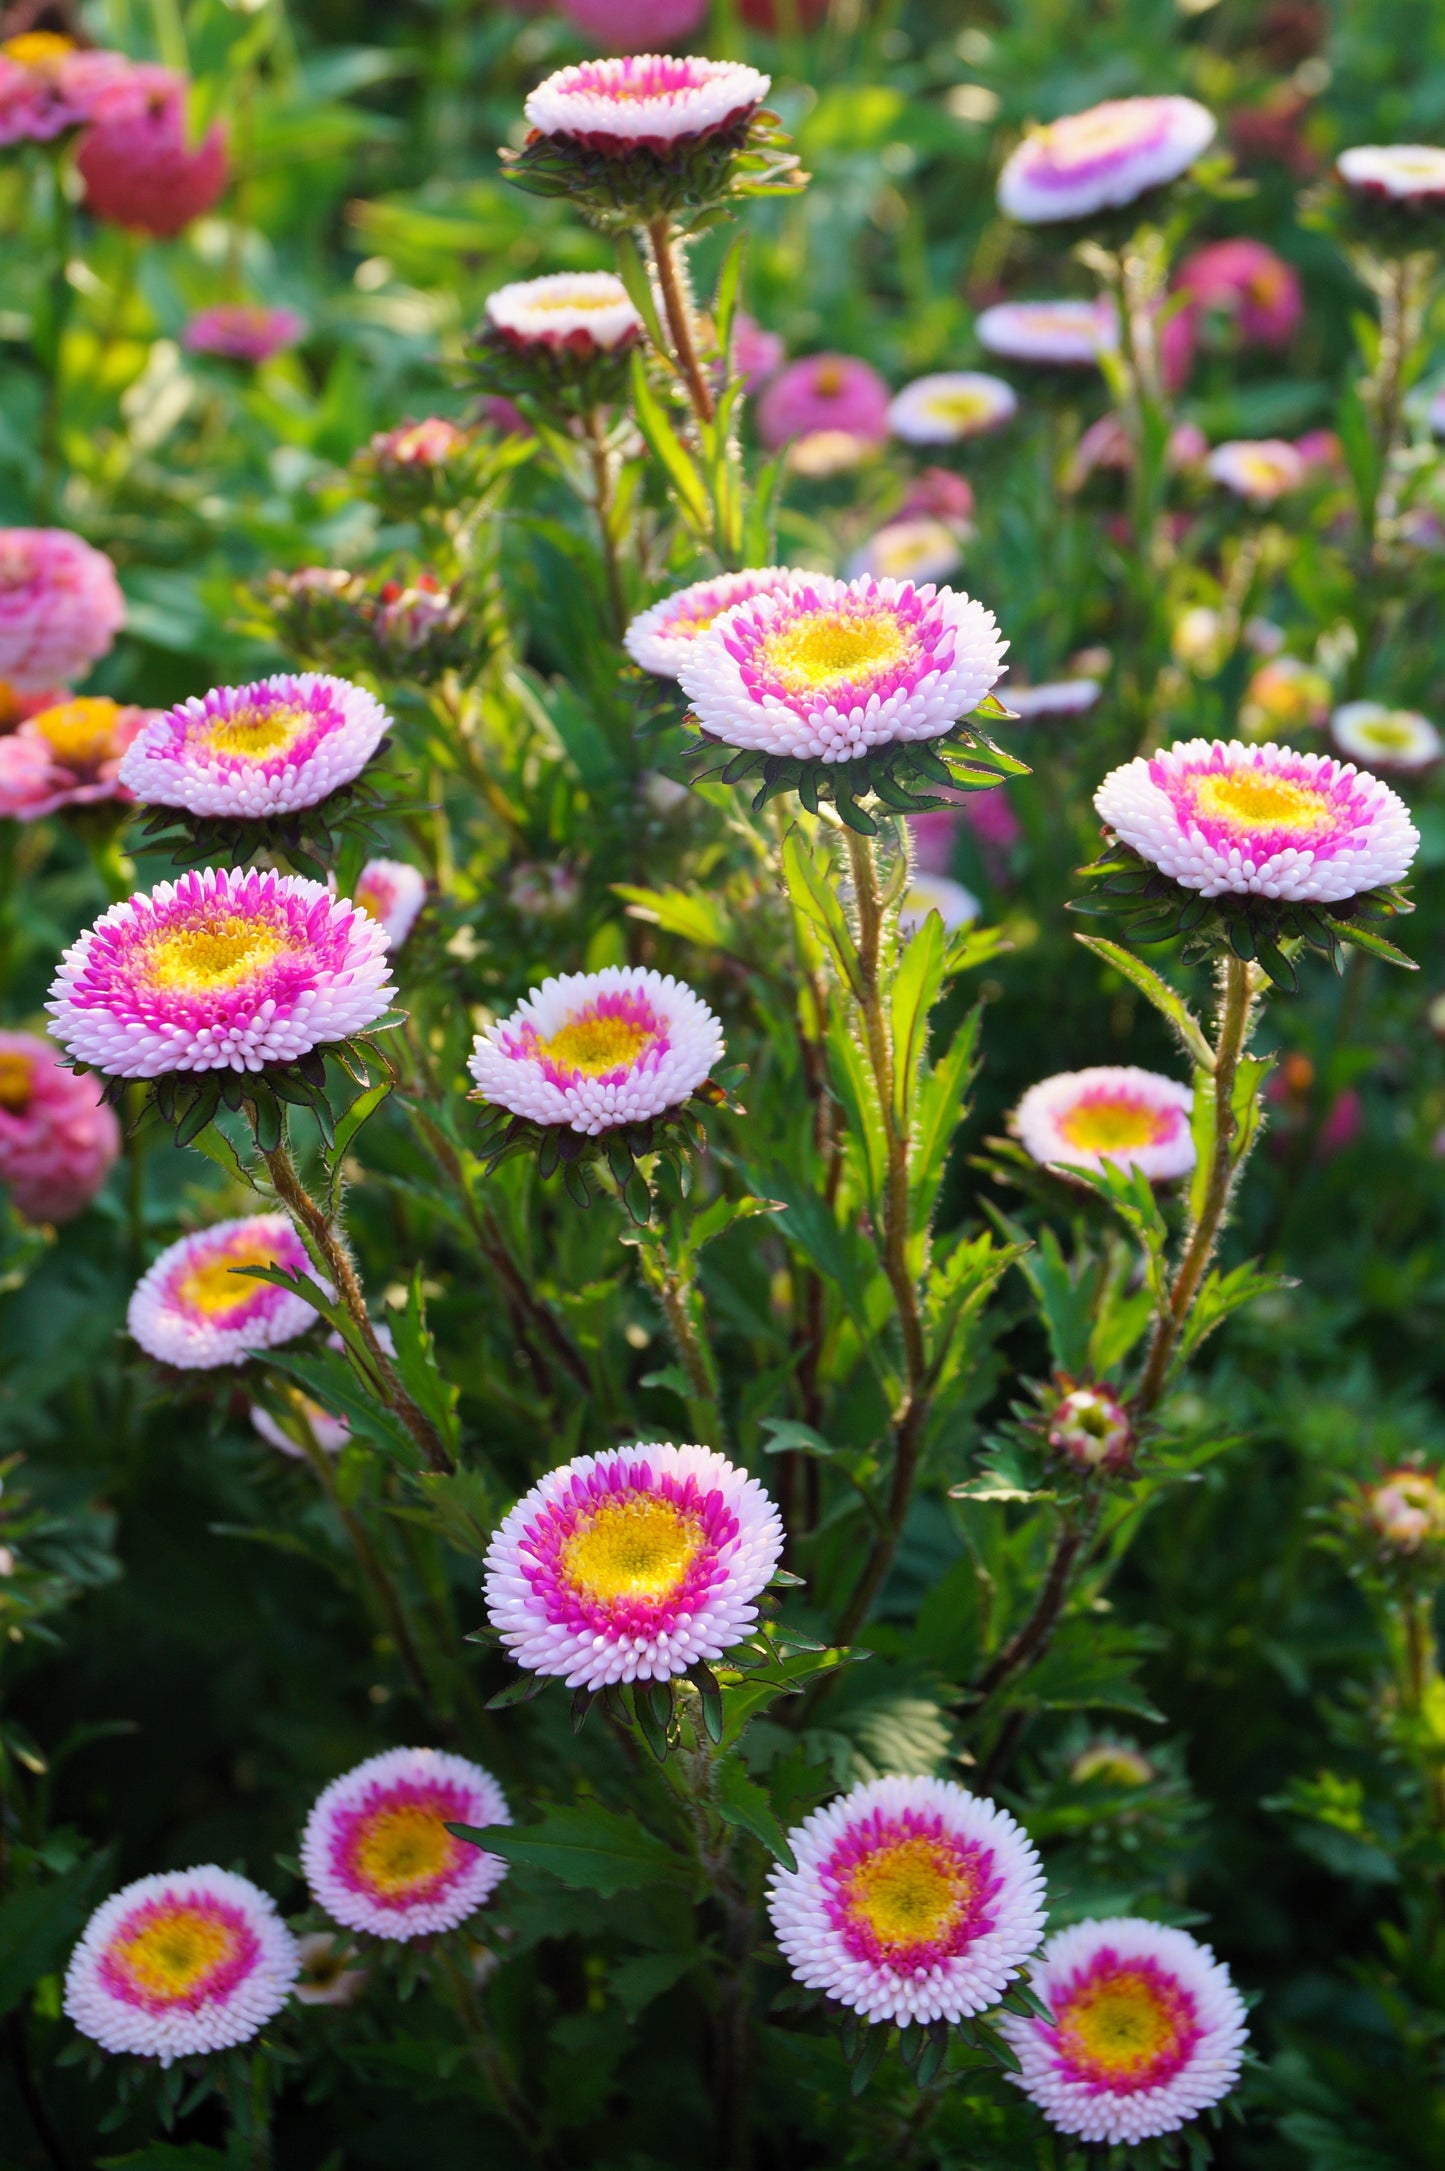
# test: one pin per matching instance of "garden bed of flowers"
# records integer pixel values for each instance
(722, 1123)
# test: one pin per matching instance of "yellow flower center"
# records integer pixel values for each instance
(1111, 1764)
(258, 731)
(17, 1080)
(176, 1951)
(1389, 733)
(1083, 136)
(631, 1548)
(213, 955)
(908, 1894)
(1254, 799)
(961, 408)
(404, 1846)
(550, 303)
(1105, 1126)
(80, 733)
(1118, 2025)
(1258, 471)
(214, 1285)
(825, 649)
(596, 1042)
(37, 48)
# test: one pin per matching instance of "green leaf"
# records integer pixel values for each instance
(1223, 1294)
(1065, 1297)
(745, 1695)
(361, 1111)
(636, 1982)
(939, 1107)
(1157, 991)
(660, 435)
(632, 271)
(330, 1380)
(693, 915)
(587, 1847)
(729, 286)
(916, 982)
(742, 1802)
(1365, 938)
(39, 1922)
(809, 879)
(165, 2156)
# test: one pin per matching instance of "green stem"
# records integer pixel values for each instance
(49, 339)
(672, 284)
(601, 465)
(1421, 1674)
(491, 2064)
(733, 2050)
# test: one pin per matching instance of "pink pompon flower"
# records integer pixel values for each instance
(219, 971)
(1410, 173)
(1114, 1113)
(393, 893)
(377, 1854)
(579, 310)
(60, 607)
(247, 752)
(196, 1308)
(916, 550)
(82, 743)
(645, 100)
(632, 1565)
(1391, 738)
(1147, 2031)
(181, 1963)
(1259, 819)
(626, 25)
(949, 406)
(1247, 282)
(49, 85)
(913, 1900)
(824, 392)
(832, 668)
(1102, 159)
(138, 164)
(660, 637)
(1063, 334)
(1260, 469)
(593, 1050)
(243, 331)
(58, 1140)
(757, 353)
(330, 1973)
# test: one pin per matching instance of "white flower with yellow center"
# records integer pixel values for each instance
(949, 406)
(955, 905)
(579, 310)
(1064, 334)
(1403, 172)
(198, 1307)
(916, 550)
(1259, 469)
(660, 637)
(1390, 738)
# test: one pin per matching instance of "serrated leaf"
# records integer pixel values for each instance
(1156, 990)
(587, 1847)
(742, 1802)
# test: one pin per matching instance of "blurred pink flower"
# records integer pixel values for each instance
(1248, 282)
(936, 493)
(1106, 444)
(757, 353)
(504, 416)
(243, 331)
(635, 26)
(933, 837)
(1177, 337)
(48, 84)
(67, 756)
(60, 607)
(772, 14)
(1342, 1126)
(1321, 448)
(137, 162)
(832, 392)
(58, 1140)
(992, 819)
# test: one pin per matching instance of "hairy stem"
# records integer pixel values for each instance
(491, 2064)
(732, 2054)
(600, 461)
(672, 281)
(1029, 1643)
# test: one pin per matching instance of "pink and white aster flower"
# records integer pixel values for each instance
(243, 331)
(1055, 697)
(632, 1565)
(593, 1050)
(393, 893)
(49, 85)
(58, 1140)
(1392, 738)
(181, 1963)
(1260, 469)
(81, 744)
(832, 668)
(247, 752)
(1064, 334)
(376, 1851)
(1111, 1114)
(1263, 820)
(1400, 172)
(825, 396)
(219, 971)
(661, 636)
(1248, 282)
(913, 1900)
(60, 607)
(650, 100)
(1147, 2031)
(1406, 1509)
(579, 310)
(1102, 159)
(198, 1309)
(949, 406)
(955, 905)
(916, 550)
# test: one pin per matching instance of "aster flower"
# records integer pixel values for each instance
(632, 1565)
(625, 24)
(1090, 1426)
(330, 1973)
(660, 637)
(916, 550)
(180, 1963)
(49, 85)
(138, 164)
(1392, 738)
(243, 331)
(583, 310)
(393, 893)
(936, 493)
(429, 443)
(60, 607)
(83, 742)
(646, 99)
(955, 906)
(1247, 282)
(197, 1309)
(219, 971)
(1406, 1510)
(1102, 159)
(1286, 694)
(1412, 174)
(248, 753)
(1112, 1764)
(1147, 2031)
(913, 1901)
(58, 1142)
(1059, 335)
(1113, 1113)
(823, 453)
(1055, 697)
(949, 406)
(376, 1851)
(824, 393)
(1260, 469)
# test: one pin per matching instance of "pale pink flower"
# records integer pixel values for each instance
(67, 756)
(243, 331)
(58, 1140)
(758, 354)
(635, 26)
(60, 606)
(824, 392)
(1248, 282)
(49, 85)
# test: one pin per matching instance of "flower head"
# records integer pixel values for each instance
(1406, 1510)
(579, 310)
(393, 893)
(49, 85)
(1064, 334)
(593, 1050)
(949, 406)
(916, 550)
(180, 1963)
(1090, 1426)
(197, 1308)
(1260, 469)
(660, 637)
(625, 24)
(913, 1900)
(1147, 2031)
(432, 442)
(1403, 173)
(243, 331)
(219, 971)
(138, 164)
(646, 99)
(1392, 738)
(1248, 282)
(1286, 694)
(248, 752)
(632, 1565)
(330, 1975)
(376, 1851)
(1055, 697)
(60, 607)
(1261, 820)
(58, 1142)
(1114, 1114)
(824, 393)
(955, 906)
(67, 755)
(1103, 158)
(832, 668)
